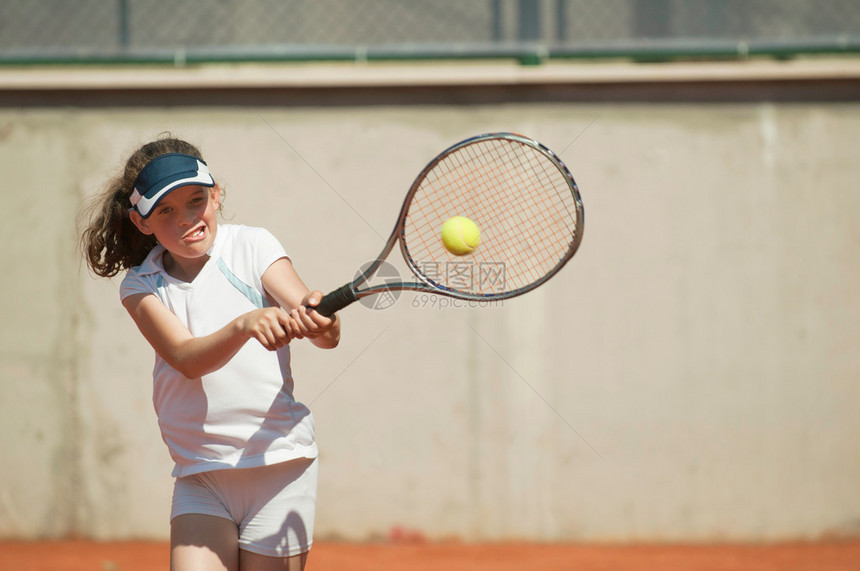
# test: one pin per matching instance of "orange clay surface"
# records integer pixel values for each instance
(143, 556)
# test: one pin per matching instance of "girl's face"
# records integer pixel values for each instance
(184, 222)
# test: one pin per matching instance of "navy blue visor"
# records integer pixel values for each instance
(164, 174)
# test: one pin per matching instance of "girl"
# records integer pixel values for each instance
(220, 305)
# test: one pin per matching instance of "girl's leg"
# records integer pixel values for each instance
(203, 543)
(253, 562)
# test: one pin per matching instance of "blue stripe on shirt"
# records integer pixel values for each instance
(252, 294)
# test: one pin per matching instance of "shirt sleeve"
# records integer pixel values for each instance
(132, 284)
(267, 251)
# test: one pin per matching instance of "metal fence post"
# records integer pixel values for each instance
(528, 31)
(123, 23)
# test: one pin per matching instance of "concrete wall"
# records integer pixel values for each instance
(691, 375)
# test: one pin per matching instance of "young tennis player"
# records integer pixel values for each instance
(219, 304)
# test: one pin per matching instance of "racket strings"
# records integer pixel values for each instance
(521, 200)
(486, 179)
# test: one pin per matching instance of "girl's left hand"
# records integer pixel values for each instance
(286, 288)
(309, 323)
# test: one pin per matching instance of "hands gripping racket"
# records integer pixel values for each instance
(524, 201)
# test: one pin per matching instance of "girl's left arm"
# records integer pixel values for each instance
(286, 287)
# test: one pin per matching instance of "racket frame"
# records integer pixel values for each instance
(350, 292)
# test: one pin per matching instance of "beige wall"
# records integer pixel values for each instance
(691, 375)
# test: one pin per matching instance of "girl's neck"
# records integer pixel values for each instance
(183, 269)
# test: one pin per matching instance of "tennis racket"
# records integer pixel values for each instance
(524, 201)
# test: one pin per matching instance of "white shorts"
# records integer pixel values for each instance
(273, 506)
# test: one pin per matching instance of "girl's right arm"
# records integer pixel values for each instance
(197, 356)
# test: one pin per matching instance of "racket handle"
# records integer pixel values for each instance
(336, 300)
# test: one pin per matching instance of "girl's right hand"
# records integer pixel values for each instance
(271, 326)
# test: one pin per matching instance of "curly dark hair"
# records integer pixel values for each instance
(110, 241)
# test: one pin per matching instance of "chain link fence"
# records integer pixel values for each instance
(212, 30)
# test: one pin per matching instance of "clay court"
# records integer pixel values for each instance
(150, 556)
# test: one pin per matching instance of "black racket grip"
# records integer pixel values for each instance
(335, 301)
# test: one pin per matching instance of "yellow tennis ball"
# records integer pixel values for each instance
(460, 236)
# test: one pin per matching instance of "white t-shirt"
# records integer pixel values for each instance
(243, 415)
